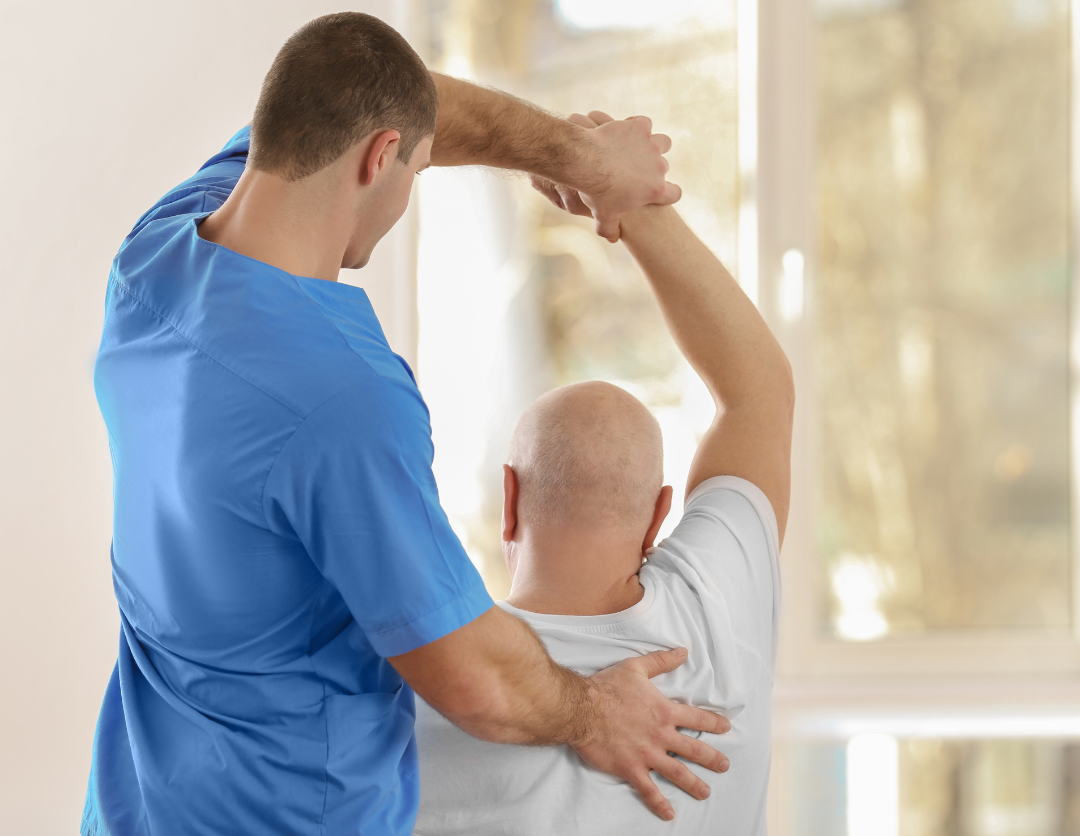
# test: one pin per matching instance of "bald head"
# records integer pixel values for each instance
(589, 453)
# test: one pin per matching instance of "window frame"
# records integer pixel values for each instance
(784, 207)
(943, 685)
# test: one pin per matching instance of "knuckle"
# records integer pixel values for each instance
(681, 775)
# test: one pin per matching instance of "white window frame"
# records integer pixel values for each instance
(783, 204)
(976, 685)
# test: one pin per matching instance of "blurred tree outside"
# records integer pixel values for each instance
(941, 331)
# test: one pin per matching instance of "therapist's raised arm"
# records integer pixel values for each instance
(615, 169)
(494, 679)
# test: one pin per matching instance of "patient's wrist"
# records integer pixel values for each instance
(642, 220)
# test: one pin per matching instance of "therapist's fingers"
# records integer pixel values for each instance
(658, 662)
(579, 119)
(680, 775)
(699, 719)
(651, 795)
(701, 753)
(572, 202)
(548, 189)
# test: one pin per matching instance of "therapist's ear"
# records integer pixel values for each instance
(510, 500)
(381, 152)
(660, 512)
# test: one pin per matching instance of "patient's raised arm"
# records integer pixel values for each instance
(723, 336)
(725, 339)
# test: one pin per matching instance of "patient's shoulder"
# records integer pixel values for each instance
(722, 560)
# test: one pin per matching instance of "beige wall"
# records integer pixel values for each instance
(103, 107)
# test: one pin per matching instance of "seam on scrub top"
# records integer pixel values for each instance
(462, 593)
(175, 196)
(285, 443)
(322, 681)
(119, 283)
(462, 590)
(344, 339)
(326, 762)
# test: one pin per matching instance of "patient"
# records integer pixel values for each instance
(583, 501)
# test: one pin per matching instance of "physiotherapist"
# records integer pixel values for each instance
(283, 569)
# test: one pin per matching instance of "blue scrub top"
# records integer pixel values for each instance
(277, 534)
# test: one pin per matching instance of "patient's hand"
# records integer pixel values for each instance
(635, 727)
(627, 171)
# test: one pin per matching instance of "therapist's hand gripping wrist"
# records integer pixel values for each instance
(622, 168)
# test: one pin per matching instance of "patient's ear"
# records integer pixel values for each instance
(660, 512)
(510, 500)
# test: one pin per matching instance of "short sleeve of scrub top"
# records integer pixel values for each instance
(393, 558)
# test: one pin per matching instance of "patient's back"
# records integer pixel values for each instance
(712, 586)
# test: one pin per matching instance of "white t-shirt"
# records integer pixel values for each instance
(713, 586)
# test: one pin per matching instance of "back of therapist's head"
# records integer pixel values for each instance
(588, 455)
(337, 79)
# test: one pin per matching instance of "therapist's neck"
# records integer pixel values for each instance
(303, 227)
(573, 572)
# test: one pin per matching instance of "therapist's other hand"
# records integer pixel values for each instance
(627, 170)
(636, 727)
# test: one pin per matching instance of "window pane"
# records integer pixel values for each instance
(941, 326)
(878, 785)
(548, 302)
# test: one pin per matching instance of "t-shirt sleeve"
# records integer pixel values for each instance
(208, 188)
(354, 485)
(727, 546)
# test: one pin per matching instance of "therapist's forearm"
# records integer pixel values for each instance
(532, 700)
(494, 679)
(481, 126)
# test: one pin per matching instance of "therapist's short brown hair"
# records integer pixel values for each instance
(337, 79)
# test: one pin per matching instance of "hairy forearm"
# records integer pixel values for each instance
(481, 126)
(719, 330)
(523, 697)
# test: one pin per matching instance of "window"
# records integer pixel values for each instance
(875, 783)
(517, 297)
(891, 181)
(941, 328)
